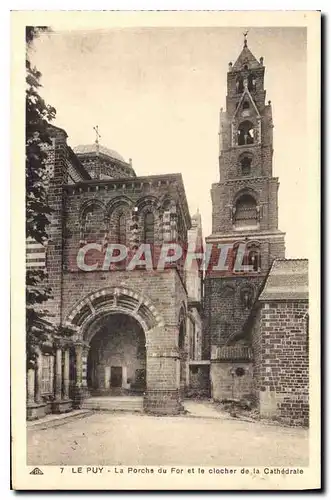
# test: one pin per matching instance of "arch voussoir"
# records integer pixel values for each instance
(110, 300)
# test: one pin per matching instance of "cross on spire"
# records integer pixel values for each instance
(245, 33)
(97, 135)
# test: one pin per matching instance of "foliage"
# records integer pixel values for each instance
(38, 116)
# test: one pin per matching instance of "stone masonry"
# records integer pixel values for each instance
(228, 334)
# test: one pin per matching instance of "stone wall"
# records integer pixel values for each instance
(224, 311)
(280, 342)
(231, 380)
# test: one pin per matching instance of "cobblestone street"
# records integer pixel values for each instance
(117, 438)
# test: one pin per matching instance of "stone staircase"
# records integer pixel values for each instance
(119, 403)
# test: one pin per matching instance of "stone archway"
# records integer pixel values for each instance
(162, 384)
(113, 299)
(116, 363)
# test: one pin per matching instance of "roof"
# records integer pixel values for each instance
(246, 57)
(83, 149)
(287, 280)
(78, 165)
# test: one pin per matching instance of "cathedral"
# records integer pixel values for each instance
(161, 336)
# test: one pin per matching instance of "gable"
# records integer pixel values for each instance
(250, 99)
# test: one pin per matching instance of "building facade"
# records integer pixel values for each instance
(130, 331)
(240, 333)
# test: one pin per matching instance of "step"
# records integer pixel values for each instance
(115, 405)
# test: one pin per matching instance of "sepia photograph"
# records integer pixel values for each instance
(167, 325)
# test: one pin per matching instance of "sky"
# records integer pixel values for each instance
(155, 94)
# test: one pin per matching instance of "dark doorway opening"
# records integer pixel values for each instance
(116, 376)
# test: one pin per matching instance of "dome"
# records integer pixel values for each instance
(107, 165)
(84, 149)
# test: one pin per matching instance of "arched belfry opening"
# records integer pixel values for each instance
(245, 211)
(116, 363)
(245, 133)
(252, 82)
(239, 84)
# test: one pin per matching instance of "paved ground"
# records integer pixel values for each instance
(205, 408)
(114, 438)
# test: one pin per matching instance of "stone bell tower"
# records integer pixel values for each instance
(245, 207)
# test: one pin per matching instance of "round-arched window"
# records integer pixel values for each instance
(239, 85)
(121, 229)
(245, 211)
(245, 165)
(245, 133)
(252, 83)
(149, 228)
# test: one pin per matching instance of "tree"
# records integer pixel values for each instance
(38, 117)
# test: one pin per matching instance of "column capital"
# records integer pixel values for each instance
(83, 345)
(59, 342)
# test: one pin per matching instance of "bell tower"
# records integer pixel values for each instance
(244, 201)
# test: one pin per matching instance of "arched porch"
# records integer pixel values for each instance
(116, 363)
(124, 347)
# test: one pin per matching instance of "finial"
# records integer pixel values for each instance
(130, 161)
(230, 66)
(97, 135)
(261, 61)
(245, 38)
(269, 102)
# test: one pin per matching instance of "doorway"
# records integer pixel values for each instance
(116, 376)
(117, 357)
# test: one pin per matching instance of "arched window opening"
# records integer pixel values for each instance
(245, 133)
(149, 228)
(92, 224)
(121, 229)
(247, 297)
(254, 260)
(252, 83)
(246, 105)
(245, 211)
(239, 85)
(245, 164)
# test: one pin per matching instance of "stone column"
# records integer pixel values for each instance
(66, 374)
(162, 376)
(30, 385)
(79, 356)
(38, 376)
(78, 383)
(84, 366)
(36, 408)
(58, 374)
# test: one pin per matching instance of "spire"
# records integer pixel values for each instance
(246, 58)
